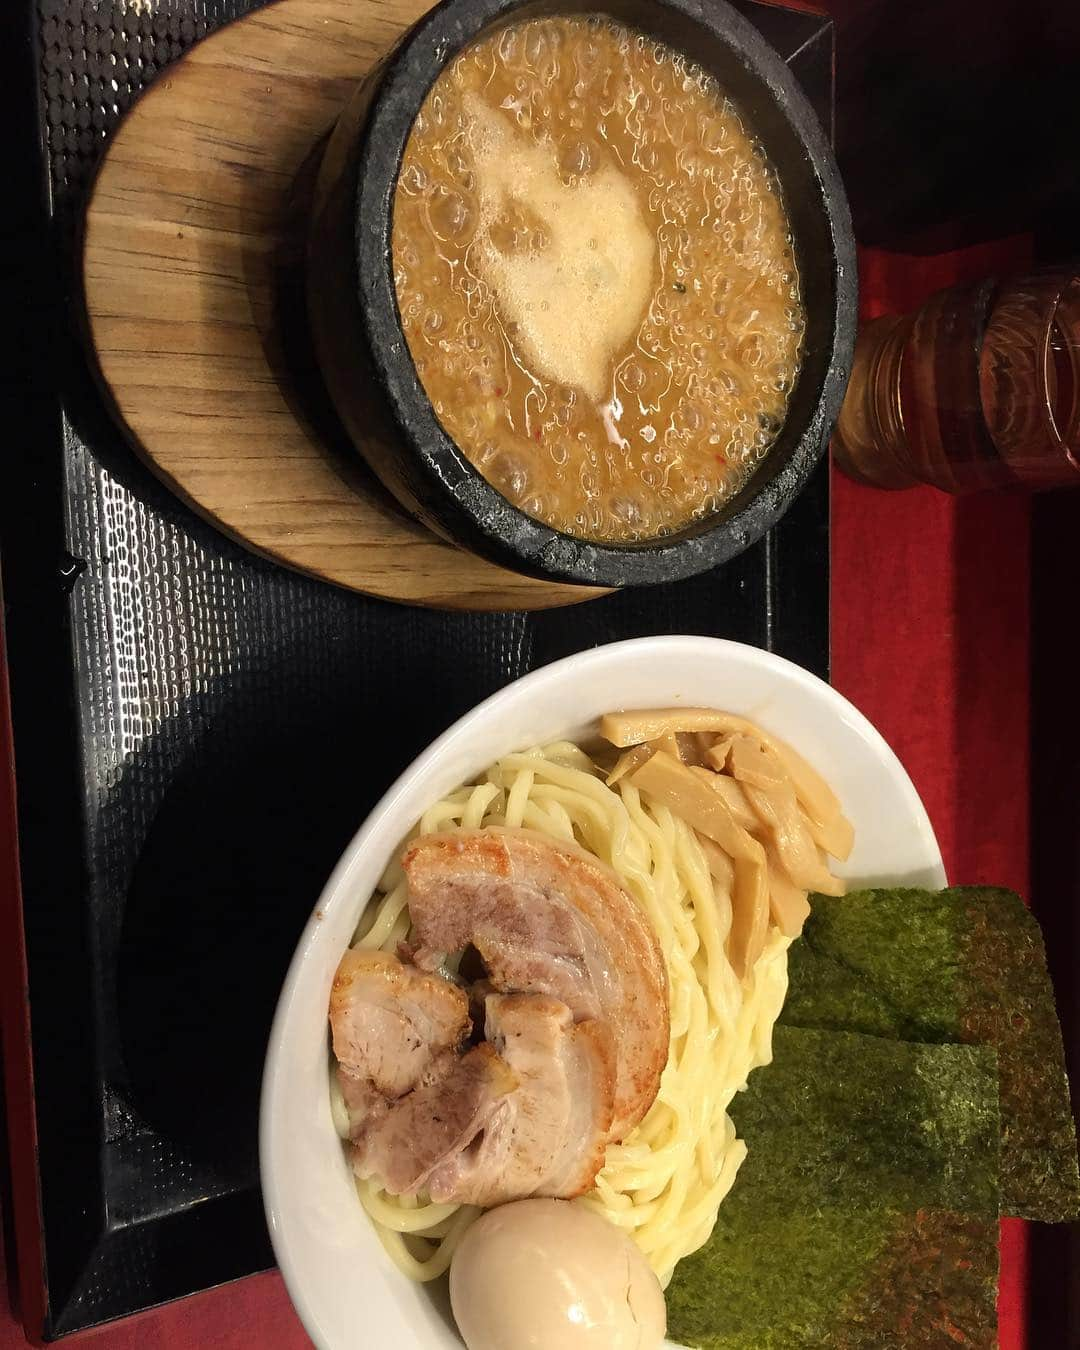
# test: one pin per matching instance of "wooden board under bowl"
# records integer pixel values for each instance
(194, 285)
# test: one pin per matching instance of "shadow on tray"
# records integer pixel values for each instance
(233, 863)
(231, 867)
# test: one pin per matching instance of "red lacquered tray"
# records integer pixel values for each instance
(930, 634)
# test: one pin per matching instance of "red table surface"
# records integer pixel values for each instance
(930, 638)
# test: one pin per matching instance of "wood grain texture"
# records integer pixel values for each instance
(193, 266)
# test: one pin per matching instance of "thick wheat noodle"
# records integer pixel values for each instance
(663, 1184)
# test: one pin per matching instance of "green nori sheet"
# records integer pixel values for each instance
(960, 966)
(865, 1213)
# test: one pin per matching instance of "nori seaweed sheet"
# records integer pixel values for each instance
(865, 1214)
(961, 966)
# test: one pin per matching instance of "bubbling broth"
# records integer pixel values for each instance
(595, 276)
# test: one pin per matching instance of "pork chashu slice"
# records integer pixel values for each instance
(550, 1134)
(393, 1027)
(548, 918)
(436, 1122)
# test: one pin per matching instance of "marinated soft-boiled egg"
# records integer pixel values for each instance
(551, 1275)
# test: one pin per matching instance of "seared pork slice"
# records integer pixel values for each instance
(552, 1136)
(390, 1023)
(557, 1061)
(548, 918)
(363, 1101)
(437, 1121)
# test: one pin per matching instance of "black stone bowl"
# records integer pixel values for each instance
(366, 362)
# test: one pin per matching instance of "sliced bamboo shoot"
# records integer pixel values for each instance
(786, 827)
(685, 793)
(733, 794)
(628, 762)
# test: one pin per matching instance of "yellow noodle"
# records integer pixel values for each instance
(479, 801)
(517, 797)
(391, 1213)
(664, 1183)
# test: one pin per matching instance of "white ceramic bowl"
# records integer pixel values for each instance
(345, 1289)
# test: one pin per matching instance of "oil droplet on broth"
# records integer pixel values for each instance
(607, 318)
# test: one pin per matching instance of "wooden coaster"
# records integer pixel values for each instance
(193, 267)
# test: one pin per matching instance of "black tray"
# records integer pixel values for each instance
(199, 732)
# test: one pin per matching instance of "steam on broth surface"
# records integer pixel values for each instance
(595, 276)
